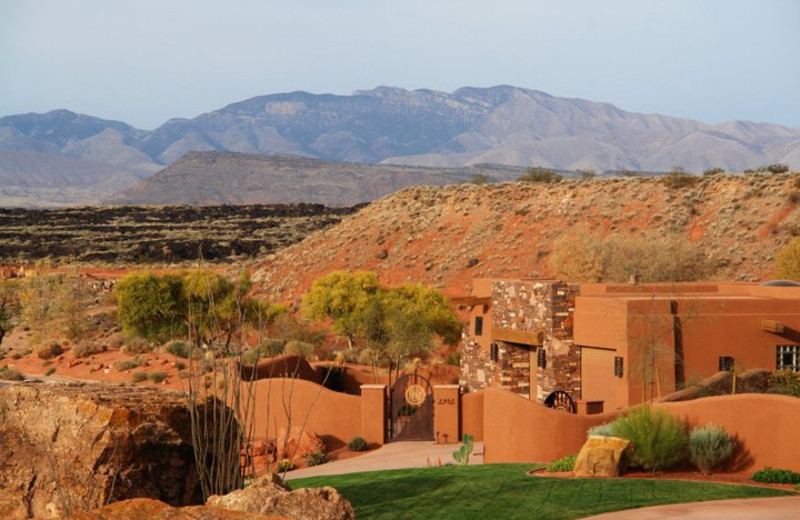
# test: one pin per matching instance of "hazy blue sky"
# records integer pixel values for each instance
(145, 61)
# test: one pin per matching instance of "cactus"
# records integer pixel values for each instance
(462, 454)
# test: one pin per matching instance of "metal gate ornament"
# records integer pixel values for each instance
(415, 395)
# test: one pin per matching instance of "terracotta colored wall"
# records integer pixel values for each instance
(472, 415)
(766, 425)
(335, 416)
(446, 405)
(518, 430)
(372, 422)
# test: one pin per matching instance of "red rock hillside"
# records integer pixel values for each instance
(446, 236)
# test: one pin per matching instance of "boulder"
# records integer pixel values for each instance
(149, 509)
(298, 443)
(70, 447)
(269, 495)
(600, 457)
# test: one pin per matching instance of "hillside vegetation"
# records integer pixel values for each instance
(446, 236)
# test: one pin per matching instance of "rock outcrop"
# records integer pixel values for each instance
(149, 509)
(65, 448)
(270, 496)
(600, 457)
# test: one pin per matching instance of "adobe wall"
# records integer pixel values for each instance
(472, 415)
(766, 425)
(518, 430)
(336, 417)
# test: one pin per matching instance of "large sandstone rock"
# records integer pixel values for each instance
(600, 457)
(298, 443)
(268, 495)
(149, 509)
(70, 447)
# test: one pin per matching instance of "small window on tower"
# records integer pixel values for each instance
(479, 325)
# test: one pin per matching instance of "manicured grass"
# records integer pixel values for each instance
(504, 491)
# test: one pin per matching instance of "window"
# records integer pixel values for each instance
(479, 325)
(618, 366)
(726, 364)
(541, 358)
(494, 352)
(788, 357)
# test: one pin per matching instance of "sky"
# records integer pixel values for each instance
(146, 61)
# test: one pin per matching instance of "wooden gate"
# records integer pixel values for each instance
(411, 409)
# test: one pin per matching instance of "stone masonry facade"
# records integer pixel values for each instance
(529, 306)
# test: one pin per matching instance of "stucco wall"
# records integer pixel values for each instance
(472, 415)
(518, 430)
(335, 416)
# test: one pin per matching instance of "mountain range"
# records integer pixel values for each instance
(498, 125)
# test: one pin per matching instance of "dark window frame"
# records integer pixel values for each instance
(478, 330)
(787, 357)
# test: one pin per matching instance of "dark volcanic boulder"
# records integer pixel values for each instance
(65, 448)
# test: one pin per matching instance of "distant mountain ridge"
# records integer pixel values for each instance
(499, 125)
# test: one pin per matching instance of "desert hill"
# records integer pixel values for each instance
(446, 236)
(497, 125)
(204, 178)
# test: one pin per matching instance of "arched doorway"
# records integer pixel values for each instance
(411, 409)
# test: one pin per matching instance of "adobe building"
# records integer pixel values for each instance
(604, 347)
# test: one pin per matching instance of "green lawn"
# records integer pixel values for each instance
(504, 491)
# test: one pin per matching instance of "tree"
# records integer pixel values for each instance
(787, 262)
(150, 305)
(9, 306)
(54, 303)
(342, 297)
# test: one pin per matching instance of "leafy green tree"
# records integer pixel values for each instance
(787, 262)
(430, 307)
(151, 306)
(341, 297)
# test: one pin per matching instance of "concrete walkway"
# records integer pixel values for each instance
(393, 455)
(781, 508)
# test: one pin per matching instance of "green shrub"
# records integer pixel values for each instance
(84, 350)
(538, 174)
(601, 430)
(770, 475)
(49, 351)
(316, 458)
(563, 464)
(157, 377)
(138, 377)
(50, 372)
(659, 440)
(714, 171)
(284, 465)
(16, 355)
(129, 364)
(709, 447)
(266, 349)
(778, 168)
(300, 348)
(179, 349)
(11, 374)
(134, 346)
(784, 382)
(357, 444)
(180, 366)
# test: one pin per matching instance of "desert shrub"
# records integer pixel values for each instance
(177, 348)
(587, 174)
(538, 174)
(709, 447)
(316, 458)
(50, 372)
(266, 349)
(134, 346)
(284, 465)
(129, 364)
(659, 440)
(770, 475)
(11, 374)
(787, 261)
(49, 350)
(784, 382)
(300, 348)
(54, 303)
(563, 464)
(138, 377)
(16, 355)
(601, 430)
(84, 350)
(157, 377)
(678, 179)
(180, 366)
(364, 357)
(479, 178)
(716, 170)
(357, 444)
(184, 374)
(778, 168)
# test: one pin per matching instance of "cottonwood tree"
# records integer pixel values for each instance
(787, 261)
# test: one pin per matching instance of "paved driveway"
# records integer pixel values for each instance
(393, 455)
(781, 508)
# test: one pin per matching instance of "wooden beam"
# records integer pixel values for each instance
(526, 337)
(471, 301)
(772, 326)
